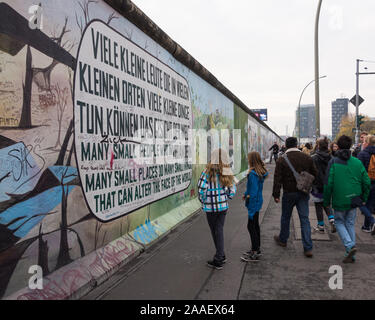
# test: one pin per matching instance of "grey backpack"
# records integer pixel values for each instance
(304, 179)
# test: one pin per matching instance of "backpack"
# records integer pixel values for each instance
(304, 179)
(371, 168)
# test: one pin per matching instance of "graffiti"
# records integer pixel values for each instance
(147, 232)
(110, 256)
(44, 217)
(8, 122)
(47, 99)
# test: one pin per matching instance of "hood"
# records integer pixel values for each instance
(370, 149)
(323, 156)
(343, 154)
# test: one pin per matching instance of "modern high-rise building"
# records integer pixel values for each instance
(307, 119)
(339, 110)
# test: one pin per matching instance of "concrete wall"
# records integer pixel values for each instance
(60, 207)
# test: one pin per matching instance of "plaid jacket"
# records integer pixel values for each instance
(212, 195)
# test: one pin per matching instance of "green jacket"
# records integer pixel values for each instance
(346, 178)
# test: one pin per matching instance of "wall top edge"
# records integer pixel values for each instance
(132, 13)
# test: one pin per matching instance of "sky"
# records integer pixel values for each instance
(263, 50)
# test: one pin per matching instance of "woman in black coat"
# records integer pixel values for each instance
(321, 158)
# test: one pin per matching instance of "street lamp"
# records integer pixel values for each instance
(357, 98)
(299, 108)
(317, 103)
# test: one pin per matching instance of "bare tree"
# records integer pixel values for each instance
(83, 20)
(42, 76)
(62, 96)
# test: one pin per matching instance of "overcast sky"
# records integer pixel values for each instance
(263, 50)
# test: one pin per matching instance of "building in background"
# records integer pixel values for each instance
(307, 119)
(339, 110)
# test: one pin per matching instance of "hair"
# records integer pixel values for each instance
(344, 142)
(331, 146)
(291, 142)
(322, 144)
(213, 169)
(308, 145)
(256, 163)
(364, 133)
(370, 140)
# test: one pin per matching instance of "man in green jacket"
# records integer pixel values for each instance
(347, 185)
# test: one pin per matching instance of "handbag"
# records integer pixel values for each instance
(304, 179)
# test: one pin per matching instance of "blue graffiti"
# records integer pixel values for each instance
(27, 214)
(147, 232)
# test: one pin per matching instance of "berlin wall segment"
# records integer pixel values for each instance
(88, 112)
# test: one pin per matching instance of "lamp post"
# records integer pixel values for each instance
(317, 103)
(299, 108)
(357, 129)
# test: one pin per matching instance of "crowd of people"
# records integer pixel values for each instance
(338, 177)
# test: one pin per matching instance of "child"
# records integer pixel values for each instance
(215, 186)
(254, 200)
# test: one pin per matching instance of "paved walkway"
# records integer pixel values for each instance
(175, 267)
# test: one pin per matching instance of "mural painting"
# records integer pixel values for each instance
(78, 96)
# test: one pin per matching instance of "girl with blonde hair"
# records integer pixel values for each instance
(253, 197)
(216, 186)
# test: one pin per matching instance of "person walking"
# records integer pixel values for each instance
(347, 186)
(253, 197)
(367, 157)
(307, 149)
(333, 148)
(292, 197)
(359, 147)
(216, 186)
(321, 158)
(275, 151)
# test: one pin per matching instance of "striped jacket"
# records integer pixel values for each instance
(212, 195)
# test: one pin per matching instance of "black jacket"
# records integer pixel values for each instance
(365, 155)
(275, 148)
(321, 160)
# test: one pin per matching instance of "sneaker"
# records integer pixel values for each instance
(249, 253)
(320, 228)
(349, 255)
(277, 240)
(224, 260)
(250, 258)
(366, 229)
(215, 264)
(333, 227)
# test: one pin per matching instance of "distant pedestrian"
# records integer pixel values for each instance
(347, 185)
(275, 151)
(307, 148)
(367, 157)
(333, 147)
(359, 147)
(216, 186)
(292, 196)
(321, 158)
(253, 197)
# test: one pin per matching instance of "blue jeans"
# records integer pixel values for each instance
(367, 210)
(301, 201)
(345, 225)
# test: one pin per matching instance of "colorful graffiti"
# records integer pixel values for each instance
(44, 218)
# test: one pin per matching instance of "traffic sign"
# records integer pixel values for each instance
(360, 100)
